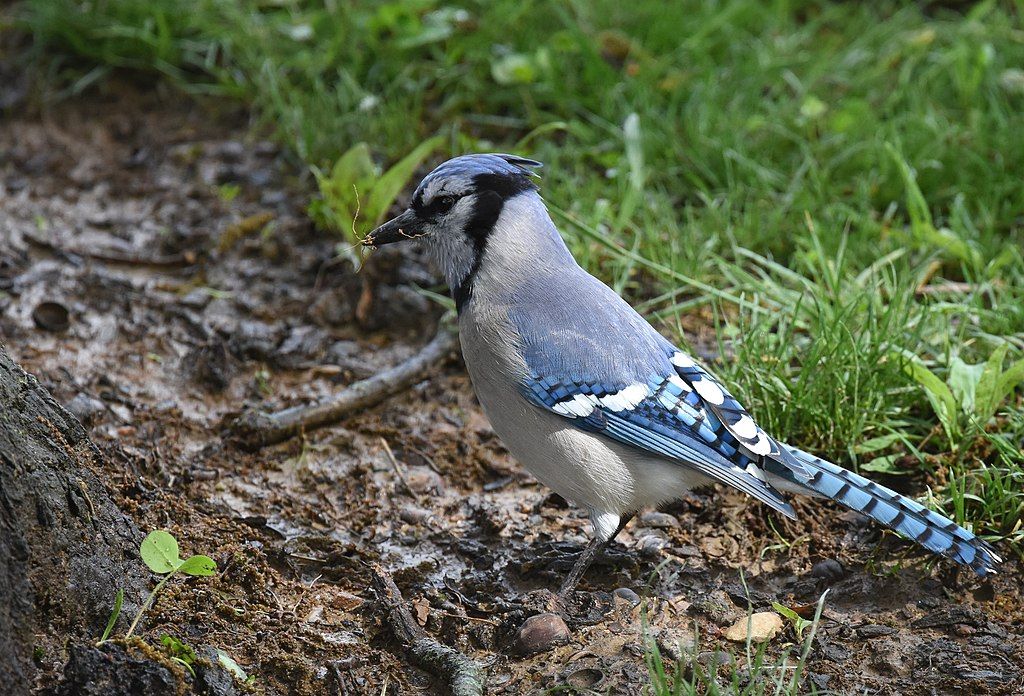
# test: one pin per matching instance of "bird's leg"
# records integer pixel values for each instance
(595, 547)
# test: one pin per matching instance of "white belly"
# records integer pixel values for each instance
(595, 472)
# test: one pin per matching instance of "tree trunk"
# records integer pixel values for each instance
(65, 547)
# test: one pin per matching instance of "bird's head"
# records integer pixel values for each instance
(455, 209)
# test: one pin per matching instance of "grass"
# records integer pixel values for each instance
(836, 186)
(752, 673)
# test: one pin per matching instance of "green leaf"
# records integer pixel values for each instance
(786, 611)
(987, 396)
(1010, 380)
(514, 69)
(159, 551)
(388, 186)
(118, 601)
(198, 565)
(231, 666)
(963, 382)
(877, 443)
(351, 177)
(922, 229)
(939, 395)
(882, 465)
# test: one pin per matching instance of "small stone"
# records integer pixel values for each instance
(675, 645)
(541, 633)
(415, 515)
(874, 631)
(85, 408)
(651, 544)
(763, 626)
(829, 569)
(628, 595)
(714, 659)
(658, 520)
(51, 316)
(820, 681)
(423, 479)
(196, 299)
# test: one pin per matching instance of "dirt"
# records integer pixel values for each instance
(194, 285)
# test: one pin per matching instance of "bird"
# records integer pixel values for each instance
(589, 396)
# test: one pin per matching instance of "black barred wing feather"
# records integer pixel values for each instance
(754, 441)
(664, 417)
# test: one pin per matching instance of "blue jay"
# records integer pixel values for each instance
(589, 396)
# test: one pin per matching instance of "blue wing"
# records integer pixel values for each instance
(665, 416)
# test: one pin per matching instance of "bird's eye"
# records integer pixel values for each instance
(445, 203)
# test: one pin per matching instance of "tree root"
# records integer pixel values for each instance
(464, 676)
(255, 429)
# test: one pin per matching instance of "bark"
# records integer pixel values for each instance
(65, 547)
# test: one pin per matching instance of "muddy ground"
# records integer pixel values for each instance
(195, 286)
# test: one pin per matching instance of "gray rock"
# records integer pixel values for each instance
(628, 595)
(658, 520)
(829, 569)
(85, 408)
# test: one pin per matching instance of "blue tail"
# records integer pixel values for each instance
(906, 517)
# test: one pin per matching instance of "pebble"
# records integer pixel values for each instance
(416, 515)
(651, 544)
(423, 479)
(541, 633)
(628, 595)
(716, 658)
(85, 408)
(51, 316)
(764, 625)
(658, 520)
(675, 645)
(830, 569)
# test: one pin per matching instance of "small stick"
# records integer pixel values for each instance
(465, 676)
(113, 257)
(255, 429)
(398, 470)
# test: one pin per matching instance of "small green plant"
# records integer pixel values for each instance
(228, 663)
(970, 395)
(763, 676)
(357, 188)
(228, 192)
(180, 652)
(116, 612)
(799, 623)
(159, 551)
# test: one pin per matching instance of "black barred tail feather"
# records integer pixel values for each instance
(906, 517)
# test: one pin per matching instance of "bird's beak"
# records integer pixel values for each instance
(405, 226)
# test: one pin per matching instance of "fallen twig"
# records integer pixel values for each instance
(464, 676)
(183, 260)
(255, 429)
(398, 470)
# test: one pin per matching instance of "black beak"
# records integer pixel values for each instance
(405, 226)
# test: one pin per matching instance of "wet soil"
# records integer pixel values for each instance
(184, 282)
